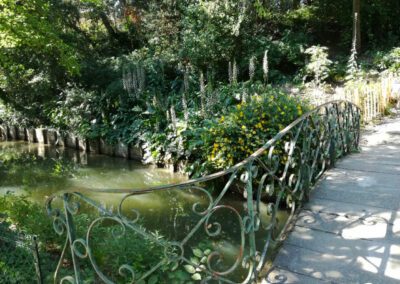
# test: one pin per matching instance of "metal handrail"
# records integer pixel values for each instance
(282, 170)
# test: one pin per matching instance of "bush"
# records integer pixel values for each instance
(16, 259)
(318, 66)
(390, 60)
(243, 129)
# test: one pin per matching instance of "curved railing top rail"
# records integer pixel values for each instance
(232, 169)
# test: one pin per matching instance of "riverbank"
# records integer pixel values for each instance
(69, 140)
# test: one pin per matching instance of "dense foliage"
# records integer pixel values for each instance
(163, 73)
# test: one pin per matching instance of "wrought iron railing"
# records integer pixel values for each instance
(276, 177)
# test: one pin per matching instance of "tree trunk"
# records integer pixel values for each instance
(296, 4)
(282, 5)
(107, 25)
(113, 33)
(357, 24)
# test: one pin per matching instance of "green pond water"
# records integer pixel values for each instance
(41, 170)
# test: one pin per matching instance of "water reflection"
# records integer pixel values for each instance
(41, 170)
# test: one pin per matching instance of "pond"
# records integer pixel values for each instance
(42, 170)
(39, 171)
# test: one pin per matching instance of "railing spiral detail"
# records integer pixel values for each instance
(278, 175)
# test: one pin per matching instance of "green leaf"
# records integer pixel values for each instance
(153, 279)
(195, 260)
(181, 275)
(207, 251)
(174, 266)
(204, 259)
(190, 268)
(197, 252)
(196, 276)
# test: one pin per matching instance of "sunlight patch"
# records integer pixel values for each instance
(369, 264)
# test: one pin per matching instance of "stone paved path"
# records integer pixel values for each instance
(349, 232)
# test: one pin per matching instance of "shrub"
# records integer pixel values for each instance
(390, 61)
(245, 128)
(318, 66)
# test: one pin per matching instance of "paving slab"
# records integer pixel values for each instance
(367, 227)
(326, 242)
(380, 157)
(363, 179)
(338, 267)
(355, 252)
(365, 197)
(280, 276)
(372, 164)
(387, 197)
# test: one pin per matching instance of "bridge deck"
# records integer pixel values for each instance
(349, 232)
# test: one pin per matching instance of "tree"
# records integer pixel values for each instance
(35, 60)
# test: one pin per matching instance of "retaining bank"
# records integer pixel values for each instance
(57, 138)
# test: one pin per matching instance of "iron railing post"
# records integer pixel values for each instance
(36, 257)
(251, 214)
(71, 237)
